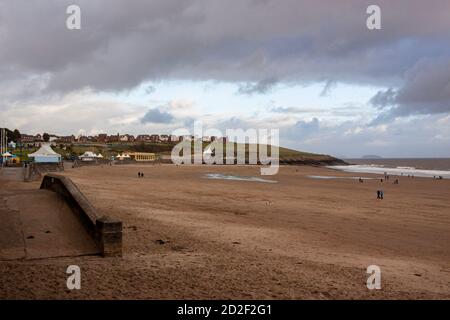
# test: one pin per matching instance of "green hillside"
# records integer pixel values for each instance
(287, 156)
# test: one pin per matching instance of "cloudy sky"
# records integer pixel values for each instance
(310, 68)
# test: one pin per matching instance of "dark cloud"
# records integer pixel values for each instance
(426, 90)
(123, 43)
(260, 87)
(329, 85)
(156, 116)
(384, 98)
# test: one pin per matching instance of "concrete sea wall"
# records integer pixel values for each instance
(106, 232)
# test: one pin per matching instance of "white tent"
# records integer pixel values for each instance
(6, 155)
(99, 155)
(45, 154)
(123, 156)
(88, 156)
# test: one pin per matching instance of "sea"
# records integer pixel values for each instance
(419, 167)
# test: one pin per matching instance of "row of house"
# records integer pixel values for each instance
(37, 139)
(155, 138)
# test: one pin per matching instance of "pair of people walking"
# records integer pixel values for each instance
(380, 194)
(140, 174)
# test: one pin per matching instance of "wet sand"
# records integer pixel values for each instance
(189, 237)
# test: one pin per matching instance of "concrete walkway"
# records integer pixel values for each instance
(37, 223)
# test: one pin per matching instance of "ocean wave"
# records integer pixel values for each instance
(398, 171)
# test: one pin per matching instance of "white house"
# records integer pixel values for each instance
(173, 138)
(164, 138)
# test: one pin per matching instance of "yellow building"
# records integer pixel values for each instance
(143, 156)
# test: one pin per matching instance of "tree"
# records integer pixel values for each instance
(9, 135)
(46, 137)
(16, 135)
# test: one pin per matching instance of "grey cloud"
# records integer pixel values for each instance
(121, 44)
(260, 87)
(384, 98)
(400, 138)
(426, 90)
(303, 129)
(329, 85)
(157, 116)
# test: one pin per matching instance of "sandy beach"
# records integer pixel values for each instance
(190, 237)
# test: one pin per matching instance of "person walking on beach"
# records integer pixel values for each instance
(381, 194)
(378, 194)
(142, 174)
(139, 174)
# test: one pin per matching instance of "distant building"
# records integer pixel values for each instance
(123, 138)
(53, 138)
(143, 156)
(102, 137)
(164, 138)
(67, 139)
(27, 138)
(154, 138)
(113, 138)
(173, 138)
(185, 138)
(126, 138)
(143, 138)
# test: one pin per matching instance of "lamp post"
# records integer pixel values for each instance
(3, 144)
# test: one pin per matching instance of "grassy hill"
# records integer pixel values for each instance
(287, 156)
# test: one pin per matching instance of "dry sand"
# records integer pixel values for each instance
(299, 238)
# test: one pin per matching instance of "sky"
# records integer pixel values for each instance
(311, 69)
